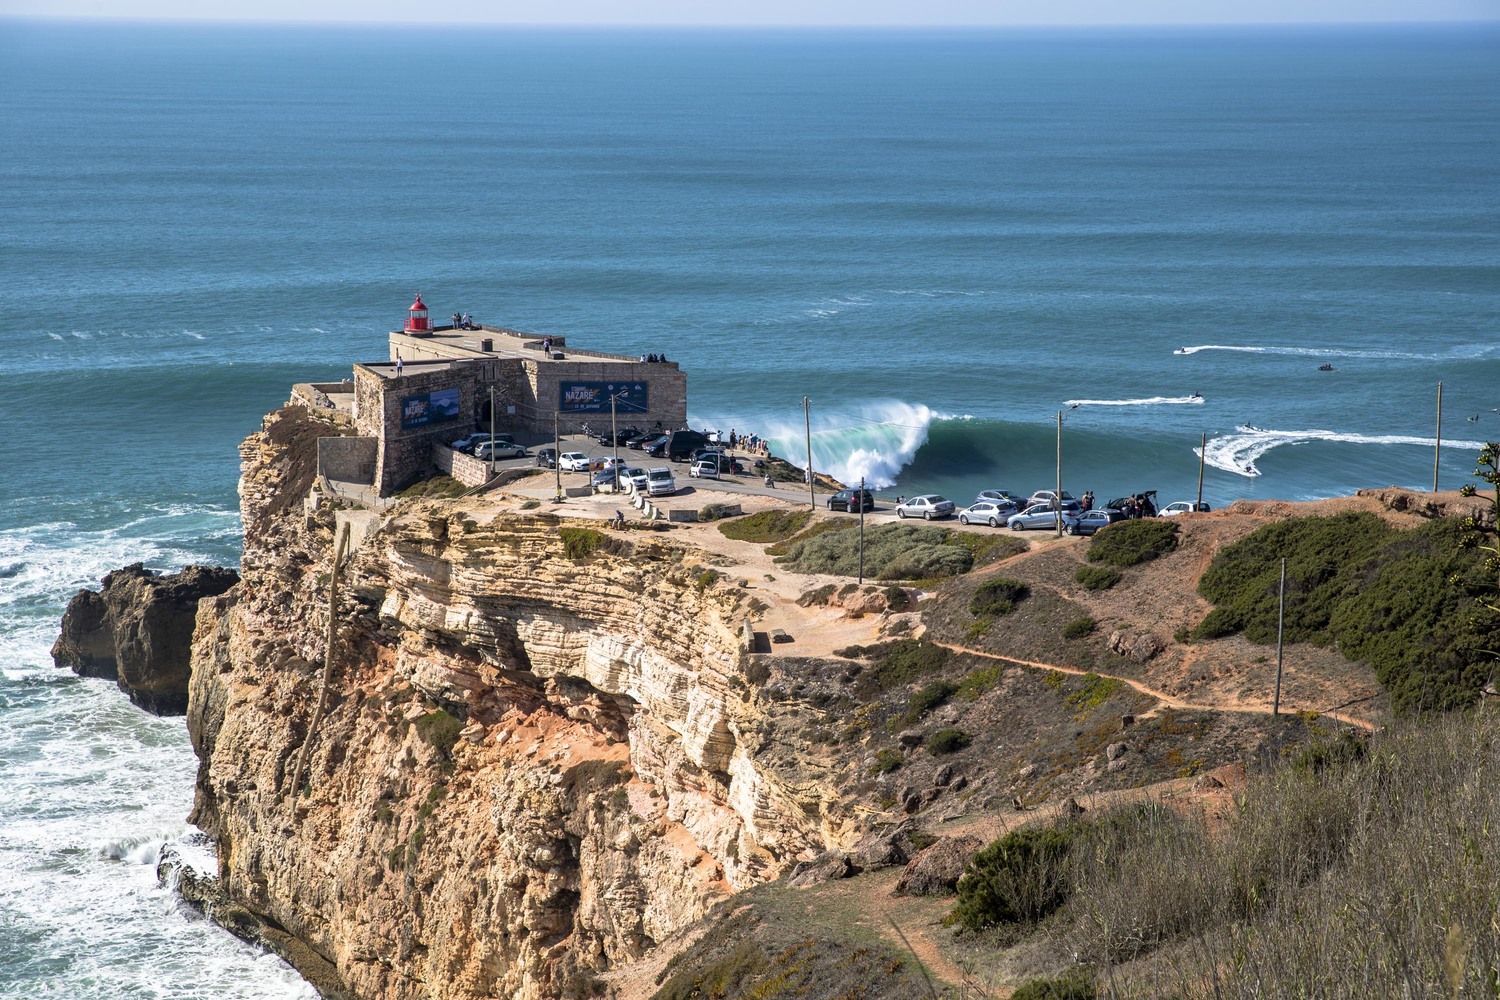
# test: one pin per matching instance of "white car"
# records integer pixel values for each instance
(987, 512)
(503, 449)
(1181, 507)
(927, 507)
(573, 461)
(704, 469)
(659, 482)
(637, 477)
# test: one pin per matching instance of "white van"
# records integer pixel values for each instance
(659, 482)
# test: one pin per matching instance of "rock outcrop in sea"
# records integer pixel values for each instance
(137, 630)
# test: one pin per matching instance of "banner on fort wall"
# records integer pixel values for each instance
(429, 408)
(593, 397)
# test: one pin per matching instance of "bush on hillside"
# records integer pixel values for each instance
(1097, 577)
(1400, 600)
(1128, 543)
(946, 741)
(997, 596)
(892, 552)
(766, 526)
(1019, 878)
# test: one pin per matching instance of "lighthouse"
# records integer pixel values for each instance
(416, 320)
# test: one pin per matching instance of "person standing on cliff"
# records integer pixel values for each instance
(400, 364)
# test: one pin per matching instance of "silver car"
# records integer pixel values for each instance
(928, 506)
(502, 449)
(1039, 515)
(987, 512)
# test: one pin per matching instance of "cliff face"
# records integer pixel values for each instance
(137, 631)
(543, 749)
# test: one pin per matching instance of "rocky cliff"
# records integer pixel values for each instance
(542, 751)
(137, 630)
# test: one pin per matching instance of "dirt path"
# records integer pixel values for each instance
(1165, 700)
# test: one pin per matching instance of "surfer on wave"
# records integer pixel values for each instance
(1251, 470)
(1325, 367)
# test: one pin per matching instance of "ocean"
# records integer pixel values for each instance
(942, 239)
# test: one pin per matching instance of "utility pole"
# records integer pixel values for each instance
(807, 424)
(1437, 444)
(1280, 621)
(614, 436)
(557, 454)
(1059, 476)
(1202, 448)
(492, 432)
(859, 498)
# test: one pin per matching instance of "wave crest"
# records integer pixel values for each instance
(1238, 452)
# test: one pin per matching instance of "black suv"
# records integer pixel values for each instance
(546, 458)
(852, 501)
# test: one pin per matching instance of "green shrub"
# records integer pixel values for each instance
(1078, 628)
(976, 682)
(946, 741)
(716, 511)
(531, 505)
(926, 699)
(1128, 543)
(892, 552)
(581, 544)
(886, 761)
(1020, 878)
(998, 596)
(766, 526)
(1097, 577)
(1074, 986)
(904, 660)
(1400, 600)
(439, 730)
(897, 598)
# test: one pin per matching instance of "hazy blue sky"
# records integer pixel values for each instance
(774, 12)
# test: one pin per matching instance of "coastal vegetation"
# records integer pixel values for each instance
(1129, 543)
(766, 526)
(1345, 861)
(1401, 600)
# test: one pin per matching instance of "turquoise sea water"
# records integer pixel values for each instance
(941, 238)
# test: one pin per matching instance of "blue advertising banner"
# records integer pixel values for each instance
(631, 398)
(438, 407)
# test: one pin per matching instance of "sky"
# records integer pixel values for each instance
(853, 13)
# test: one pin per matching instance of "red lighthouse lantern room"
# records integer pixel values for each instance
(416, 320)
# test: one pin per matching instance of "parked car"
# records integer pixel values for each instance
(637, 477)
(610, 438)
(1138, 505)
(704, 468)
(468, 444)
(681, 443)
(928, 507)
(573, 461)
(1091, 521)
(546, 458)
(1000, 497)
(605, 462)
(659, 482)
(639, 441)
(1182, 507)
(1039, 515)
(607, 477)
(657, 447)
(502, 449)
(988, 512)
(853, 501)
(1069, 501)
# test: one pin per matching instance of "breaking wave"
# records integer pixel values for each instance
(1238, 452)
(1463, 351)
(1148, 401)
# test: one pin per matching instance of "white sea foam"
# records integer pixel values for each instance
(1238, 452)
(1148, 401)
(874, 440)
(1461, 351)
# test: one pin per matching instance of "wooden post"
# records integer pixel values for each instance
(1202, 448)
(1059, 476)
(1280, 621)
(328, 641)
(859, 498)
(812, 500)
(1437, 444)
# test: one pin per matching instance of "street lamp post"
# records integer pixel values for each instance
(1058, 498)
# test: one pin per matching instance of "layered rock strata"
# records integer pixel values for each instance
(138, 630)
(543, 749)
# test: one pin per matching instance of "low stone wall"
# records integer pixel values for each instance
(466, 469)
(334, 400)
(347, 459)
